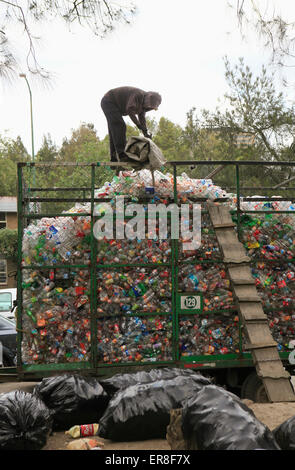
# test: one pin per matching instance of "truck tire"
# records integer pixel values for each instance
(7, 361)
(253, 389)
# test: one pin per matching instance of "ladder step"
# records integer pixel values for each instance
(243, 282)
(248, 299)
(226, 225)
(260, 346)
(236, 261)
(274, 377)
(256, 320)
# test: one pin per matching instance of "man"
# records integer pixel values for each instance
(126, 101)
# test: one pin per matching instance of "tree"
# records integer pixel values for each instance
(191, 132)
(100, 16)
(254, 107)
(48, 151)
(11, 152)
(83, 145)
(272, 27)
(13, 149)
(8, 243)
(169, 137)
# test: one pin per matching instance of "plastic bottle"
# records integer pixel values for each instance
(83, 430)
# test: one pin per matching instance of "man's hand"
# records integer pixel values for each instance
(147, 135)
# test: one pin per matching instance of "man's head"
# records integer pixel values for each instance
(152, 100)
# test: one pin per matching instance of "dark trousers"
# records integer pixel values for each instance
(116, 128)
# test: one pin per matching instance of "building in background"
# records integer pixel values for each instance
(8, 219)
(244, 139)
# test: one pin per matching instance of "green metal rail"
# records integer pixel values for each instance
(93, 366)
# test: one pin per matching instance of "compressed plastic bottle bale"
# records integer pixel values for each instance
(121, 381)
(215, 419)
(285, 434)
(25, 421)
(56, 303)
(73, 399)
(142, 412)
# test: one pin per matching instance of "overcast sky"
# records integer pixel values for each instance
(174, 47)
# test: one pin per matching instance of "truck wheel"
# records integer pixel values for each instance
(253, 389)
(7, 362)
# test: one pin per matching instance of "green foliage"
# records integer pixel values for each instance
(169, 137)
(48, 151)
(8, 243)
(11, 152)
(130, 131)
(255, 107)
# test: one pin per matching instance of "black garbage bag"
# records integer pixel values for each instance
(215, 419)
(73, 399)
(285, 434)
(120, 381)
(142, 411)
(25, 421)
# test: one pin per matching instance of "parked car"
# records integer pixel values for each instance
(8, 342)
(7, 299)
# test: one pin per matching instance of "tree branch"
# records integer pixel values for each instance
(98, 15)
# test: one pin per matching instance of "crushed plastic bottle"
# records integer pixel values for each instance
(83, 430)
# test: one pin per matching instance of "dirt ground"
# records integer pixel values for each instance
(58, 441)
(271, 414)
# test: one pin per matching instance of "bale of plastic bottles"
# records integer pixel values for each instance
(56, 302)
(25, 421)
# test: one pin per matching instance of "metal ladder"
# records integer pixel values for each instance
(264, 351)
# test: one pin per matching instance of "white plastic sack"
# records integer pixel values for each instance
(145, 152)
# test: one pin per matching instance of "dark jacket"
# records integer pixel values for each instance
(133, 101)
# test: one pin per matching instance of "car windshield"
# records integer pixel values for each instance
(5, 301)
